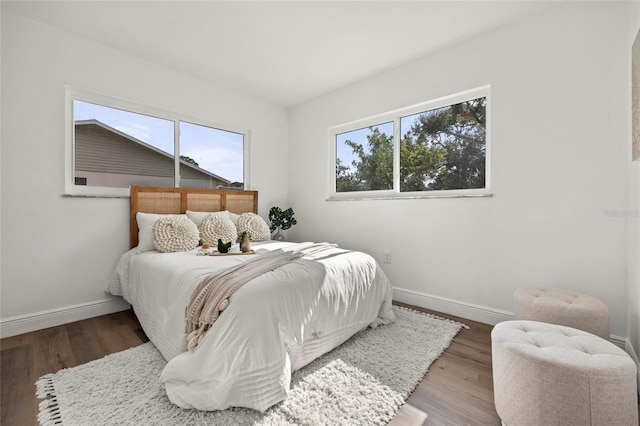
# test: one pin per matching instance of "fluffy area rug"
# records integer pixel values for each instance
(364, 381)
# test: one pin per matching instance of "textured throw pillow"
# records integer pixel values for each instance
(214, 227)
(145, 229)
(254, 225)
(171, 234)
(198, 217)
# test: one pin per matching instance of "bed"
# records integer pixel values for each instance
(273, 325)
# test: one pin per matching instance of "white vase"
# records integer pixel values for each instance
(278, 235)
(245, 244)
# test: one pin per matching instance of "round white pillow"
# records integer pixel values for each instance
(214, 227)
(255, 226)
(175, 233)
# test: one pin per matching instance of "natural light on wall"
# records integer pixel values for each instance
(434, 149)
(112, 144)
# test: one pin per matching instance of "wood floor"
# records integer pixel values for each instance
(457, 390)
(27, 357)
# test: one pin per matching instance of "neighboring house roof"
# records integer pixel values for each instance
(151, 148)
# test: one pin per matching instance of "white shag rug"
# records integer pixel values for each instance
(362, 382)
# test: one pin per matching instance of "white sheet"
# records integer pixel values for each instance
(275, 324)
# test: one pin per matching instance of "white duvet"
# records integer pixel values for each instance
(275, 324)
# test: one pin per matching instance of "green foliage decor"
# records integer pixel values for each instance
(282, 219)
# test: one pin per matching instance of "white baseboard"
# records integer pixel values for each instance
(470, 311)
(634, 356)
(37, 321)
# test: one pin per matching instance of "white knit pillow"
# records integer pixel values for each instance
(175, 233)
(214, 227)
(255, 226)
(145, 229)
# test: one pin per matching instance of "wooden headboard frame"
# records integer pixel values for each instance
(156, 199)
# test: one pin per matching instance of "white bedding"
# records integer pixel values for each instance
(275, 324)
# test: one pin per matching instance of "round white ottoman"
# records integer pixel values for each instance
(547, 374)
(562, 307)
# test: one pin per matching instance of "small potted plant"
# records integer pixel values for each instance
(281, 220)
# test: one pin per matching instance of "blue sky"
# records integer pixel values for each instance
(217, 151)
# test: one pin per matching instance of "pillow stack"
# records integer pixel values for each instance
(170, 233)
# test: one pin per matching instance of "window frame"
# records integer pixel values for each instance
(395, 116)
(72, 94)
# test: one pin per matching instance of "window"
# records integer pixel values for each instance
(437, 148)
(113, 145)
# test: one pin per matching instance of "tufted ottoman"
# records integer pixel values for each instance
(547, 374)
(563, 308)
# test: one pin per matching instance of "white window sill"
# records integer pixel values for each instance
(95, 192)
(361, 196)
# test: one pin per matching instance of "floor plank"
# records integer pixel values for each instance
(52, 350)
(17, 390)
(85, 342)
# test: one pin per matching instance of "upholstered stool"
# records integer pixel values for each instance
(547, 374)
(563, 308)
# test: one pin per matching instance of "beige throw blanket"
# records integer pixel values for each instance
(211, 297)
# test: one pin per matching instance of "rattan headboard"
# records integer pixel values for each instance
(155, 199)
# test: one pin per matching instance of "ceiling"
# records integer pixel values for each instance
(284, 52)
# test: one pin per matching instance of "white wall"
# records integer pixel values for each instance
(58, 252)
(559, 155)
(559, 150)
(634, 215)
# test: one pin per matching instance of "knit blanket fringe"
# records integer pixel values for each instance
(49, 414)
(211, 297)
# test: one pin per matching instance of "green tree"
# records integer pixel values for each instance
(345, 181)
(419, 163)
(459, 130)
(374, 167)
(189, 160)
